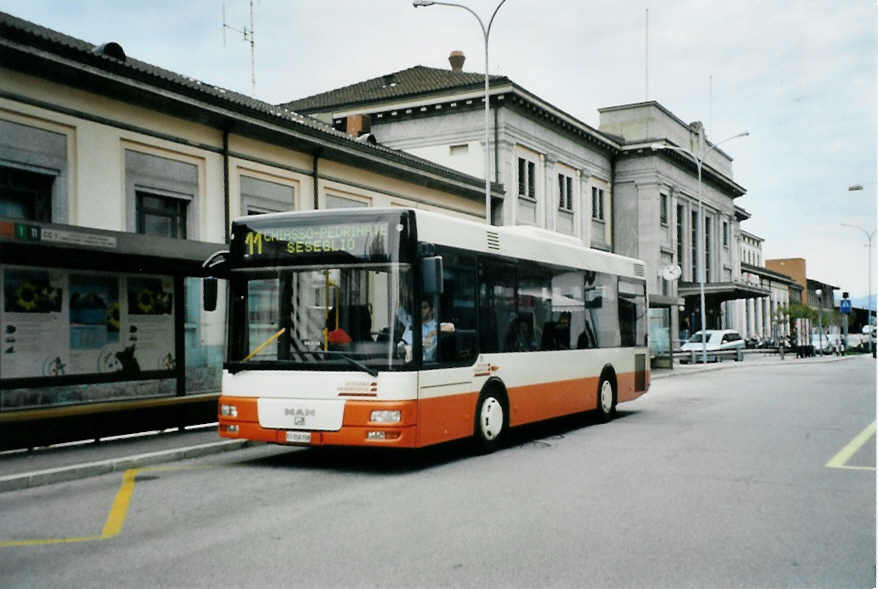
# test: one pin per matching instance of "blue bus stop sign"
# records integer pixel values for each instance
(845, 306)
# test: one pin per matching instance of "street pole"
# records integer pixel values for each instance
(869, 236)
(819, 293)
(486, 32)
(699, 245)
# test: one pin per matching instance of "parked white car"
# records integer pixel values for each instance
(717, 340)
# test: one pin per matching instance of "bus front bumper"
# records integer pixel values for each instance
(239, 419)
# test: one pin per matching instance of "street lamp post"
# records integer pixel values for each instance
(486, 31)
(819, 293)
(869, 236)
(699, 163)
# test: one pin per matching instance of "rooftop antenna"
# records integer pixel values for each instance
(646, 61)
(710, 103)
(249, 36)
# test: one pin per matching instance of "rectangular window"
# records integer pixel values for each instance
(458, 149)
(632, 313)
(694, 246)
(340, 202)
(160, 215)
(25, 195)
(680, 237)
(601, 312)
(457, 306)
(496, 303)
(531, 181)
(725, 234)
(262, 196)
(663, 209)
(160, 191)
(597, 203)
(526, 180)
(707, 233)
(565, 192)
(34, 173)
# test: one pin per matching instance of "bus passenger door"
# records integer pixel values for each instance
(446, 390)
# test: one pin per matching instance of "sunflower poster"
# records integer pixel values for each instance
(33, 301)
(149, 330)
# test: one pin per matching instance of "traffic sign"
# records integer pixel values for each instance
(845, 306)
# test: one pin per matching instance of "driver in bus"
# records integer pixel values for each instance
(428, 330)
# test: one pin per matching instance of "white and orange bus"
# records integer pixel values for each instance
(405, 328)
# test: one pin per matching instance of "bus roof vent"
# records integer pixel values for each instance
(493, 240)
(639, 270)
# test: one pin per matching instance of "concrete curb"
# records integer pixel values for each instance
(90, 469)
(732, 364)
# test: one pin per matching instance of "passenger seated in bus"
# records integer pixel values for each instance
(519, 336)
(556, 334)
(354, 321)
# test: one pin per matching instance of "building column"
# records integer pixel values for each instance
(757, 317)
(550, 206)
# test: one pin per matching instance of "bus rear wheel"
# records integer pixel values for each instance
(606, 398)
(491, 421)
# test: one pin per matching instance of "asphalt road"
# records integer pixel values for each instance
(751, 477)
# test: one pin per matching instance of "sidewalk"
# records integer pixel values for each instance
(66, 462)
(750, 360)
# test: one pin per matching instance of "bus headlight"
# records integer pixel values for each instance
(383, 416)
(228, 411)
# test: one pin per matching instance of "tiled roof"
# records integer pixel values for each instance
(417, 80)
(23, 35)
(18, 29)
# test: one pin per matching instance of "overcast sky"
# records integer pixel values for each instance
(799, 76)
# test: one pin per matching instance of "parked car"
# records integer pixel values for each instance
(717, 340)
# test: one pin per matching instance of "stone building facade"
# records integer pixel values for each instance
(605, 186)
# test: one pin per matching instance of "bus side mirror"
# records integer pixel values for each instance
(431, 274)
(210, 291)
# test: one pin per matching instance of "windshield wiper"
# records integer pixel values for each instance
(353, 361)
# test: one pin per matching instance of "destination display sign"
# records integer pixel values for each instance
(367, 239)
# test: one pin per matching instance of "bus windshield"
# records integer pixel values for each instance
(325, 318)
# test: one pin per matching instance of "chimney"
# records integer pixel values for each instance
(356, 125)
(456, 60)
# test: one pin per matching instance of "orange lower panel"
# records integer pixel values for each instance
(626, 390)
(432, 420)
(552, 399)
(443, 419)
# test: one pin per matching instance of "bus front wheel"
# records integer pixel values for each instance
(606, 398)
(491, 421)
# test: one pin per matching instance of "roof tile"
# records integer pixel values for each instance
(415, 80)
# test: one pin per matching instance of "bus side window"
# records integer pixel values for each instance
(457, 309)
(496, 303)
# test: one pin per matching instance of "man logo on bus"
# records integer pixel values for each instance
(295, 412)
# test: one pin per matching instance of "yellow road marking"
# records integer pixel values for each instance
(116, 517)
(843, 455)
(5, 544)
(119, 511)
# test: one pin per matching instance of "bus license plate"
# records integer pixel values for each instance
(299, 437)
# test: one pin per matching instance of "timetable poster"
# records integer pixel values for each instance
(149, 333)
(33, 318)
